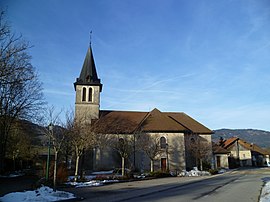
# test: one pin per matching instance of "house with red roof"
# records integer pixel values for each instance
(175, 134)
(243, 153)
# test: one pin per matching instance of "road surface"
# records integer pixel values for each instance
(244, 186)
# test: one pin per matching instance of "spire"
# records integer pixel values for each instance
(88, 74)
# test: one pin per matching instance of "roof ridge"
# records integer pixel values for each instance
(140, 124)
(108, 110)
(165, 123)
(179, 123)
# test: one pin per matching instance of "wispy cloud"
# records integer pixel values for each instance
(58, 92)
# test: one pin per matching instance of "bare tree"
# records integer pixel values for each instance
(82, 136)
(123, 144)
(119, 133)
(199, 149)
(20, 90)
(150, 145)
(20, 144)
(56, 135)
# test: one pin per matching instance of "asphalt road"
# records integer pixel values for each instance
(224, 188)
(244, 186)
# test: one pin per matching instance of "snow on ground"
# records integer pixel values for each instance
(87, 177)
(265, 194)
(103, 172)
(92, 183)
(11, 175)
(42, 194)
(89, 180)
(47, 194)
(193, 173)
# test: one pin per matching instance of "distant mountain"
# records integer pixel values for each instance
(259, 137)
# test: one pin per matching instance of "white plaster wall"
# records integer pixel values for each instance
(224, 163)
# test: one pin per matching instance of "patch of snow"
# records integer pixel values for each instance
(11, 175)
(92, 183)
(42, 194)
(222, 171)
(102, 172)
(87, 177)
(265, 194)
(193, 173)
(141, 176)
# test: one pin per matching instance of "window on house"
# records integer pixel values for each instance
(162, 142)
(84, 94)
(90, 96)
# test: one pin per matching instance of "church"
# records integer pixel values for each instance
(180, 142)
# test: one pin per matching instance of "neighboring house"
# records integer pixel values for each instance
(220, 156)
(176, 133)
(244, 154)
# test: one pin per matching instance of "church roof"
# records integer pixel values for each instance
(128, 122)
(189, 122)
(158, 121)
(88, 75)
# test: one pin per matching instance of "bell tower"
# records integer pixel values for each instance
(88, 89)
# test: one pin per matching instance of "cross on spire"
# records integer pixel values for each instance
(90, 38)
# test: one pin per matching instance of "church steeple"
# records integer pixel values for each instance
(88, 88)
(88, 75)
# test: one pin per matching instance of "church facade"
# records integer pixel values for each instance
(180, 142)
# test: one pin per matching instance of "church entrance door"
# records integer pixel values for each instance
(163, 164)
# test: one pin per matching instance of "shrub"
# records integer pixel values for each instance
(213, 171)
(160, 174)
(62, 173)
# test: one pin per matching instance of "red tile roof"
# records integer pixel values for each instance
(218, 149)
(229, 142)
(253, 147)
(247, 145)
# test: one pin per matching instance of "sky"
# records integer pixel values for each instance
(207, 58)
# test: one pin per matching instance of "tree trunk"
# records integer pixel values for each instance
(152, 165)
(55, 171)
(201, 166)
(123, 166)
(77, 168)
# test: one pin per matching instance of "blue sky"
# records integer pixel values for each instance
(209, 59)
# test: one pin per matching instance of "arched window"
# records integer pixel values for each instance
(84, 94)
(163, 143)
(90, 95)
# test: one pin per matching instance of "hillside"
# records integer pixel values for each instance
(259, 137)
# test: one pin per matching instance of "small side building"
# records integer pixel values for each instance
(220, 156)
(244, 154)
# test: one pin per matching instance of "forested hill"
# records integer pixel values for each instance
(259, 137)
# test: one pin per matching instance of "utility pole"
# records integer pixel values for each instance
(49, 153)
